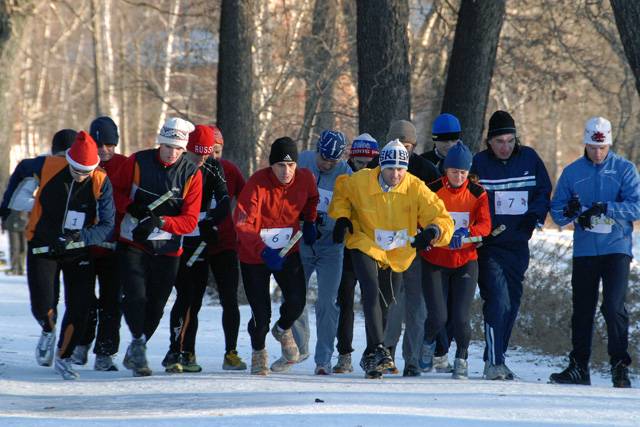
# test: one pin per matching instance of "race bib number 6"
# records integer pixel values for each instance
(276, 238)
(511, 202)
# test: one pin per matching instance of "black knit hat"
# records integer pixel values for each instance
(501, 123)
(283, 150)
(104, 131)
(63, 140)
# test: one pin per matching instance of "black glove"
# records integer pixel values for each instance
(593, 212)
(59, 246)
(4, 213)
(309, 233)
(220, 212)
(528, 223)
(573, 207)
(423, 239)
(340, 229)
(208, 231)
(138, 210)
(145, 227)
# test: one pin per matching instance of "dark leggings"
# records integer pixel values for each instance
(41, 275)
(146, 281)
(105, 313)
(378, 289)
(345, 301)
(255, 278)
(460, 285)
(191, 285)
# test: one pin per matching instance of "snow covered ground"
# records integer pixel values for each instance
(34, 395)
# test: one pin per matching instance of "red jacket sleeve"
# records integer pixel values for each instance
(186, 222)
(121, 182)
(482, 224)
(245, 217)
(309, 212)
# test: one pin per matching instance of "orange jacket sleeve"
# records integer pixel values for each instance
(245, 217)
(482, 224)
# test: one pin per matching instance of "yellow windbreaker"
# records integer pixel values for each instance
(379, 218)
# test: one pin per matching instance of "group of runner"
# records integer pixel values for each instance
(417, 232)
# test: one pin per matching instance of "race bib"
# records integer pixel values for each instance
(389, 239)
(196, 232)
(325, 200)
(276, 238)
(601, 224)
(74, 220)
(129, 223)
(460, 219)
(158, 234)
(511, 202)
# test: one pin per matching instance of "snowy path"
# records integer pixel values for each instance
(33, 395)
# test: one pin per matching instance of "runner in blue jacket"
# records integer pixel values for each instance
(600, 194)
(519, 189)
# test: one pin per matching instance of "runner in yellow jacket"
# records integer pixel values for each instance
(389, 213)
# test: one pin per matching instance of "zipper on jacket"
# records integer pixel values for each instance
(66, 206)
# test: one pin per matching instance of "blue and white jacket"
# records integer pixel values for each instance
(516, 187)
(326, 181)
(614, 182)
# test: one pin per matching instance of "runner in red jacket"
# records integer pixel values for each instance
(267, 218)
(150, 242)
(453, 270)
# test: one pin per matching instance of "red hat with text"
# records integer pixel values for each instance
(201, 140)
(217, 133)
(83, 154)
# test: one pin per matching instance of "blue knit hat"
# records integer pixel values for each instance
(446, 127)
(458, 157)
(364, 146)
(394, 155)
(104, 131)
(331, 144)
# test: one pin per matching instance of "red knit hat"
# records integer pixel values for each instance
(83, 154)
(218, 135)
(201, 140)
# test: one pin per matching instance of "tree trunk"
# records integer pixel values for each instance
(318, 50)
(627, 14)
(98, 67)
(168, 64)
(471, 65)
(235, 114)
(384, 88)
(13, 15)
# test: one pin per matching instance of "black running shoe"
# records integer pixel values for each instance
(620, 375)
(383, 358)
(573, 374)
(369, 365)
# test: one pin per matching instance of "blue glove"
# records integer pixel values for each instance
(309, 233)
(272, 258)
(458, 235)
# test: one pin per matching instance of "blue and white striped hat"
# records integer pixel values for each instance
(331, 144)
(394, 155)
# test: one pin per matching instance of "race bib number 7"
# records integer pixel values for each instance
(511, 202)
(276, 238)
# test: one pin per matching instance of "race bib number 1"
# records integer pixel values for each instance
(276, 238)
(74, 220)
(511, 202)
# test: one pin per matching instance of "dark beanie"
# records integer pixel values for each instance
(458, 157)
(501, 123)
(104, 131)
(283, 150)
(63, 140)
(402, 130)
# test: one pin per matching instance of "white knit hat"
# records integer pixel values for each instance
(597, 131)
(394, 155)
(175, 132)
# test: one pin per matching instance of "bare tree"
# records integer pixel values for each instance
(235, 111)
(471, 65)
(384, 88)
(627, 15)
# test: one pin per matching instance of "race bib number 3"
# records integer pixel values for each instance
(389, 239)
(276, 238)
(74, 220)
(511, 202)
